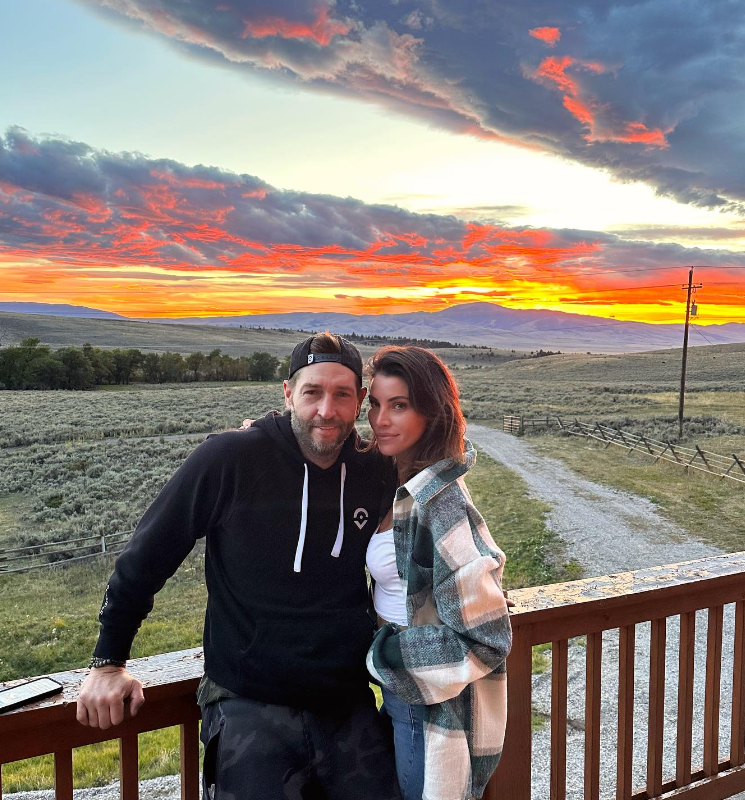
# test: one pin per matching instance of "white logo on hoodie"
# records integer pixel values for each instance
(360, 517)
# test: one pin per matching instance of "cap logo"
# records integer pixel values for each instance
(310, 358)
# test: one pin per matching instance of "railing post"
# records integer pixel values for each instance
(63, 775)
(655, 726)
(686, 650)
(559, 651)
(711, 694)
(593, 690)
(512, 780)
(624, 772)
(190, 761)
(129, 773)
(737, 738)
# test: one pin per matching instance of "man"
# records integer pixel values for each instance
(287, 509)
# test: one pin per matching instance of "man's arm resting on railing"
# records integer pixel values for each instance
(184, 511)
(103, 694)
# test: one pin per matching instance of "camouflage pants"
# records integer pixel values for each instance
(261, 751)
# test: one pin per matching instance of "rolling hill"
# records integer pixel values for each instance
(496, 326)
(481, 324)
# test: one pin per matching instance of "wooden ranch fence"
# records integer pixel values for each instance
(730, 467)
(543, 614)
(518, 425)
(24, 559)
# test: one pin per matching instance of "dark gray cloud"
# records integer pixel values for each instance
(650, 90)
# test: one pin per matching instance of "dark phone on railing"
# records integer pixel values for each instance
(28, 692)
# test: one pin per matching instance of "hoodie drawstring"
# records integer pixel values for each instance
(303, 523)
(339, 541)
(340, 532)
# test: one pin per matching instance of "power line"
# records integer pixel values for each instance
(701, 333)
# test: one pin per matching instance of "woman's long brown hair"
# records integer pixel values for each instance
(434, 394)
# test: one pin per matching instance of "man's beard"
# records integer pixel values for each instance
(303, 430)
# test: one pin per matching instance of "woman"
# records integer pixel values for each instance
(444, 634)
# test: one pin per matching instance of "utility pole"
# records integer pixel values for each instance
(690, 287)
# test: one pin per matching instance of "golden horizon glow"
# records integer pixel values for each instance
(158, 293)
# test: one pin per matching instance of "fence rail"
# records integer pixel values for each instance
(730, 467)
(518, 425)
(49, 554)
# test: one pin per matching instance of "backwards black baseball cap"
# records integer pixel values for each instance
(348, 357)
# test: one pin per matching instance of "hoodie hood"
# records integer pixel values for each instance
(279, 428)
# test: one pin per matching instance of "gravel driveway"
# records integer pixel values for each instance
(609, 531)
(606, 531)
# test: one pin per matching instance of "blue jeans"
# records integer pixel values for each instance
(408, 740)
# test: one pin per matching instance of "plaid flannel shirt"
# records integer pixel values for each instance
(451, 658)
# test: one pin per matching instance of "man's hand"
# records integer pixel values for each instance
(247, 423)
(102, 696)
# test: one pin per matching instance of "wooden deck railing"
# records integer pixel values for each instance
(49, 726)
(547, 614)
(555, 614)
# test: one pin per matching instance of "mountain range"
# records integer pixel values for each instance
(58, 310)
(477, 323)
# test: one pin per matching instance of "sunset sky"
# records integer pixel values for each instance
(163, 158)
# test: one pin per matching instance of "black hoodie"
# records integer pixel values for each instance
(286, 617)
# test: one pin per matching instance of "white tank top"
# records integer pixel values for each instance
(390, 591)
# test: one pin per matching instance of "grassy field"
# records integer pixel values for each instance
(48, 618)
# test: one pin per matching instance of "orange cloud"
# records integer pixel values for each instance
(548, 35)
(321, 30)
(587, 109)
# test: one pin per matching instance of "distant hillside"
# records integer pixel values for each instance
(496, 326)
(723, 364)
(480, 324)
(160, 337)
(145, 336)
(58, 310)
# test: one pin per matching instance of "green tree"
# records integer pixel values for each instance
(15, 363)
(172, 367)
(194, 363)
(215, 364)
(125, 363)
(262, 366)
(102, 362)
(151, 368)
(283, 370)
(80, 374)
(46, 372)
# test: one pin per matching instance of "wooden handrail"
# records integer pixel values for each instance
(545, 614)
(49, 726)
